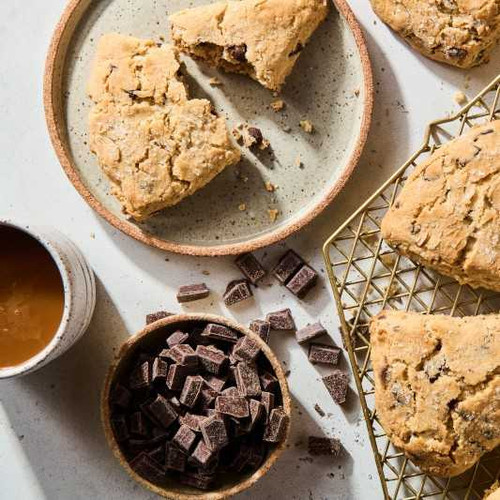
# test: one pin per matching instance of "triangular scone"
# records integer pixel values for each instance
(448, 214)
(155, 145)
(260, 38)
(437, 387)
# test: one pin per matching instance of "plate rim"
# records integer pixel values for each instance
(58, 142)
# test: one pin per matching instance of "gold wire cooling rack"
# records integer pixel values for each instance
(367, 276)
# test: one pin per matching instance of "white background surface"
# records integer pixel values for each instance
(51, 443)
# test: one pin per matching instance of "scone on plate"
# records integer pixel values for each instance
(259, 38)
(458, 32)
(155, 144)
(447, 216)
(437, 387)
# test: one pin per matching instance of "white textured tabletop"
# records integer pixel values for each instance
(51, 442)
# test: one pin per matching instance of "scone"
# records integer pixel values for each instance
(437, 387)
(155, 144)
(458, 32)
(259, 38)
(447, 216)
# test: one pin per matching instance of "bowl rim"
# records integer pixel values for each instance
(131, 343)
(57, 136)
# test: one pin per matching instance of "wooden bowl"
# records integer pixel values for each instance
(149, 336)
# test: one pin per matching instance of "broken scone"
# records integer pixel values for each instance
(155, 144)
(447, 216)
(259, 38)
(437, 387)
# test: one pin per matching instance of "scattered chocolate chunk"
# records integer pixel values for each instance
(121, 396)
(231, 392)
(288, 265)
(183, 354)
(184, 438)
(250, 267)
(159, 370)
(190, 293)
(213, 360)
(177, 337)
(324, 446)
(176, 376)
(277, 425)
(337, 384)
(191, 421)
(256, 134)
(237, 52)
(214, 382)
(120, 429)
(281, 320)
(310, 332)
(220, 332)
(140, 377)
(191, 390)
(138, 424)
(319, 410)
(151, 318)
(175, 458)
(246, 349)
(261, 328)
(237, 291)
(202, 455)
(214, 432)
(247, 379)
(197, 480)
(324, 354)
(233, 406)
(161, 411)
(147, 467)
(305, 279)
(268, 382)
(267, 399)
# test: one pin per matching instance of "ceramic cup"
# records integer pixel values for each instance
(79, 296)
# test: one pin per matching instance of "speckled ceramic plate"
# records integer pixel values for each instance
(331, 86)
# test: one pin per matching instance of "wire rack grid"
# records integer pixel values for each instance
(367, 275)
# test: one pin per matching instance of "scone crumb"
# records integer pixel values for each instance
(215, 82)
(460, 98)
(237, 134)
(205, 273)
(307, 126)
(242, 207)
(273, 214)
(278, 105)
(298, 162)
(270, 187)
(356, 92)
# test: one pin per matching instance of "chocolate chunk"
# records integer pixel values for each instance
(158, 454)
(120, 429)
(256, 136)
(191, 390)
(164, 354)
(151, 318)
(184, 355)
(121, 397)
(214, 432)
(337, 384)
(305, 279)
(202, 455)
(214, 382)
(176, 338)
(190, 293)
(175, 458)
(197, 480)
(257, 412)
(233, 406)
(267, 399)
(237, 52)
(250, 267)
(456, 53)
(140, 378)
(288, 265)
(138, 424)
(323, 353)
(246, 349)
(261, 328)
(242, 458)
(191, 421)
(310, 332)
(220, 332)
(212, 359)
(247, 379)
(281, 320)
(161, 411)
(257, 456)
(176, 404)
(184, 438)
(319, 410)
(159, 370)
(268, 382)
(297, 50)
(148, 468)
(207, 397)
(231, 392)
(176, 376)
(324, 446)
(237, 291)
(277, 426)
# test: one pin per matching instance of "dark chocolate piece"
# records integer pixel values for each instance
(183, 354)
(148, 468)
(267, 399)
(175, 458)
(220, 332)
(207, 397)
(140, 378)
(261, 328)
(231, 392)
(237, 291)
(184, 438)
(247, 379)
(242, 458)
(176, 376)
(138, 424)
(190, 293)
(214, 382)
(202, 455)
(257, 412)
(214, 432)
(212, 359)
(323, 353)
(121, 397)
(237, 52)
(161, 411)
(246, 349)
(268, 382)
(191, 421)
(159, 370)
(175, 403)
(305, 279)
(197, 480)
(310, 332)
(250, 267)
(324, 446)
(281, 320)
(257, 456)
(233, 406)
(191, 390)
(319, 410)
(158, 454)
(337, 384)
(164, 354)
(151, 318)
(288, 265)
(176, 338)
(120, 429)
(277, 425)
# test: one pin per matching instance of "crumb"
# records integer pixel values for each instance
(287, 129)
(206, 273)
(273, 214)
(270, 187)
(460, 98)
(92, 236)
(242, 207)
(237, 134)
(356, 92)
(319, 410)
(287, 373)
(278, 105)
(215, 82)
(298, 161)
(162, 38)
(307, 126)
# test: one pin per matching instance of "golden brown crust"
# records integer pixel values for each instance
(448, 214)
(457, 32)
(437, 387)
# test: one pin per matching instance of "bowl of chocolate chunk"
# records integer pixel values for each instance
(196, 405)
